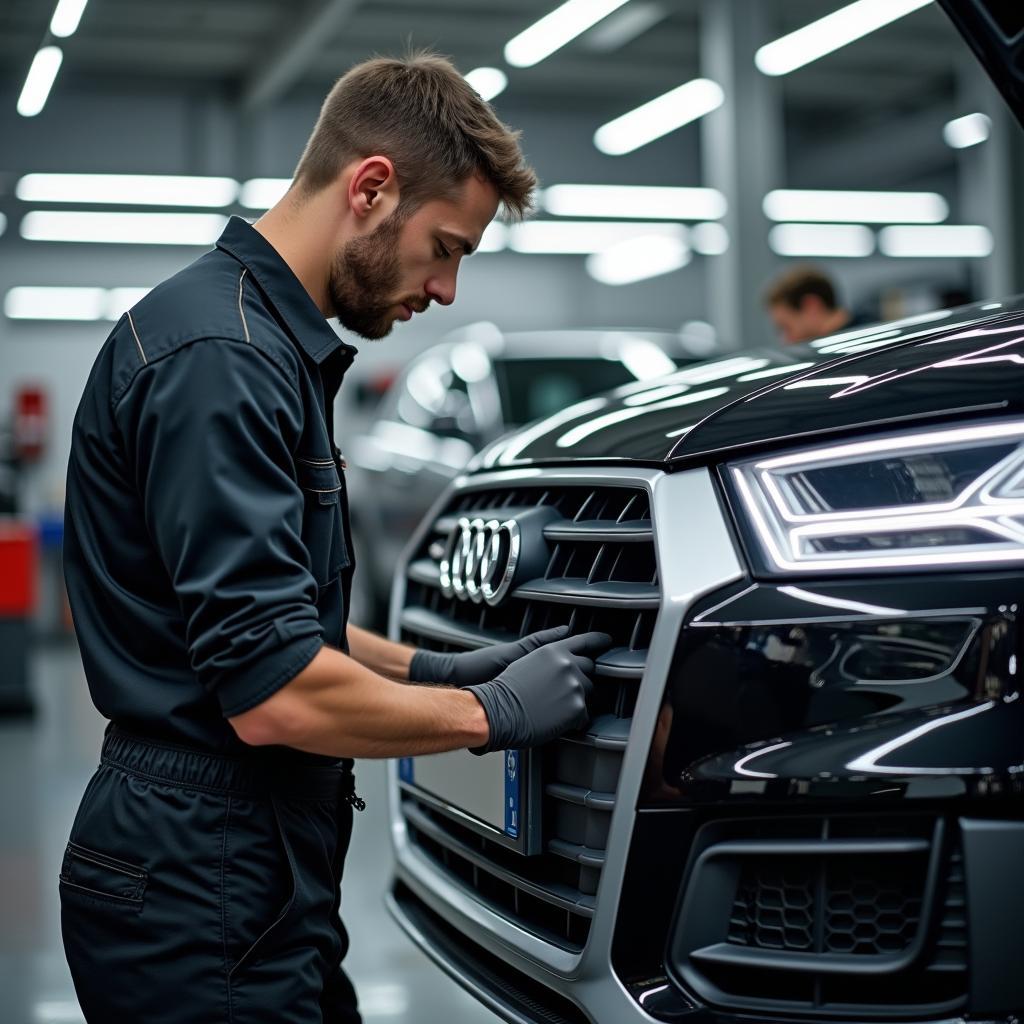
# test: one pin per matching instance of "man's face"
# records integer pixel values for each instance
(805, 322)
(408, 262)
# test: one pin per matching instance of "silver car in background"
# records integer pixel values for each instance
(455, 398)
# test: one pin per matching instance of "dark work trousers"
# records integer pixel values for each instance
(202, 889)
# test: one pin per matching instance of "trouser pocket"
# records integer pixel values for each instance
(99, 876)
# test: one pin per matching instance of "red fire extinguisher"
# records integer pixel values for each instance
(30, 422)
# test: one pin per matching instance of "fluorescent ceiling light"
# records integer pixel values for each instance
(494, 238)
(120, 299)
(134, 228)
(127, 189)
(55, 303)
(821, 240)
(263, 193)
(624, 26)
(835, 30)
(488, 82)
(554, 236)
(859, 207)
(966, 131)
(76, 303)
(709, 239)
(951, 240)
(659, 116)
(66, 17)
(638, 258)
(39, 80)
(556, 29)
(653, 202)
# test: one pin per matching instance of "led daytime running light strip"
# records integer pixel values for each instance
(784, 531)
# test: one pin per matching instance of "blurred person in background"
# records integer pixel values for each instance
(208, 563)
(802, 305)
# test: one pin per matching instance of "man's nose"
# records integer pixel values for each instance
(441, 290)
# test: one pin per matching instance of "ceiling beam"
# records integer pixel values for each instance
(289, 60)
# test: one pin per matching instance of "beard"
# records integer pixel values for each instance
(363, 281)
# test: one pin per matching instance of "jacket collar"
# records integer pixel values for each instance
(305, 322)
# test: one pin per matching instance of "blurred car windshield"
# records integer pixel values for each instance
(533, 388)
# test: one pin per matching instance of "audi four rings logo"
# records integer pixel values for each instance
(480, 559)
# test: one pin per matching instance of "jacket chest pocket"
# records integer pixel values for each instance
(322, 527)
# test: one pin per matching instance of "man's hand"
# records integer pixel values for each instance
(477, 666)
(542, 694)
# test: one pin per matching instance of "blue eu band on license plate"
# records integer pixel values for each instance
(512, 791)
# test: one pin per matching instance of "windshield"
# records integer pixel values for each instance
(534, 388)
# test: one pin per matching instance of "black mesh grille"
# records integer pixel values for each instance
(872, 907)
(608, 504)
(869, 907)
(598, 572)
(774, 906)
(844, 916)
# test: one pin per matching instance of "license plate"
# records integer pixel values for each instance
(496, 795)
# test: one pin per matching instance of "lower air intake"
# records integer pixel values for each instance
(839, 917)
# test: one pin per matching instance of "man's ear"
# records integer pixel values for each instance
(373, 188)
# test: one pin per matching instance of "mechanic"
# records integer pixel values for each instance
(208, 566)
(802, 305)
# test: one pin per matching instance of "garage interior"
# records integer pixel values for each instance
(846, 162)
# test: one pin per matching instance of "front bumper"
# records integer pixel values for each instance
(523, 977)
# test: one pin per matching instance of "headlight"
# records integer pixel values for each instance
(927, 499)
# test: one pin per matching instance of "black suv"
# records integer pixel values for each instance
(800, 796)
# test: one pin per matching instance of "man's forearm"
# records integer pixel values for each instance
(338, 707)
(378, 654)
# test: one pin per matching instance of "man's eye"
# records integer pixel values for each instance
(443, 251)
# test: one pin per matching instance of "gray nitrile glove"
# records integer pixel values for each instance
(477, 666)
(542, 694)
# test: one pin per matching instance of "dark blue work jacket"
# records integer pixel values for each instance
(207, 551)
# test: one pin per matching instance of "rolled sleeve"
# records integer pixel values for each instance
(210, 431)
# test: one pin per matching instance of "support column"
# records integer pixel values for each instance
(742, 151)
(985, 175)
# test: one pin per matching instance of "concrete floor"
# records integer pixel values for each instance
(45, 763)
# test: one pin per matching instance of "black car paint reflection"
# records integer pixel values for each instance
(769, 699)
(953, 366)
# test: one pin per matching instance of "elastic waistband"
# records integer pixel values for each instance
(224, 773)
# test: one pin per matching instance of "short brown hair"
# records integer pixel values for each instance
(429, 121)
(792, 287)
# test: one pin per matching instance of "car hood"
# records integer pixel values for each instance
(994, 30)
(950, 363)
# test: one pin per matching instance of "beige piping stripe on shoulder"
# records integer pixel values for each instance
(145, 361)
(241, 312)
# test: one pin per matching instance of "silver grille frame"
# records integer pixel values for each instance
(696, 554)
